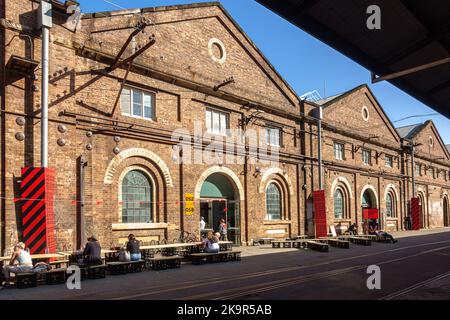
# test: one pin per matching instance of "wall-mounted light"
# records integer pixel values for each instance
(89, 134)
(116, 150)
(89, 147)
(116, 138)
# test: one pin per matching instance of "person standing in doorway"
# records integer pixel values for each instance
(223, 230)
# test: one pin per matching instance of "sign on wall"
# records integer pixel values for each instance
(189, 204)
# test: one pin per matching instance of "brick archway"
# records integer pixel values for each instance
(137, 152)
(227, 172)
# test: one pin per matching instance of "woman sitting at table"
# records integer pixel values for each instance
(92, 253)
(133, 247)
(211, 243)
(22, 257)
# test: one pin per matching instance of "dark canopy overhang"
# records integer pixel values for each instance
(411, 51)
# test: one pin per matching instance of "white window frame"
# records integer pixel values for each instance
(143, 94)
(339, 149)
(210, 122)
(391, 164)
(369, 162)
(268, 136)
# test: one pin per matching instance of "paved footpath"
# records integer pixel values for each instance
(417, 267)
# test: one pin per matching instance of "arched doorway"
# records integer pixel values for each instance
(445, 210)
(219, 199)
(369, 201)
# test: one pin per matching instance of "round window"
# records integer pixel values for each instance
(365, 113)
(217, 50)
(430, 141)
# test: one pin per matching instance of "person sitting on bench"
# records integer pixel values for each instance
(352, 230)
(211, 243)
(22, 257)
(92, 253)
(383, 234)
(133, 247)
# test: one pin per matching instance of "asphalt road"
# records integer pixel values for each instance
(414, 268)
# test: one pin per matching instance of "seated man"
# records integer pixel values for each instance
(352, 229)
(386, 235)
(22, 257)
(211, 243)
(92, 253)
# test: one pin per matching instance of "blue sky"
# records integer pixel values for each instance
(306, 63)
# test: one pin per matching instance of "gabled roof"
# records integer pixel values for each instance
(331, 100)
(409, 131)
(104, 14)
(327, 101)
(417, 128)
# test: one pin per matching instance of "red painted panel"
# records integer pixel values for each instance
(370, 214)
(320, 214)
(415, 214)
(37, 193)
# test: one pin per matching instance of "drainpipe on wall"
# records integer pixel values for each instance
(81, 229)
(318, 114)
(45, 23)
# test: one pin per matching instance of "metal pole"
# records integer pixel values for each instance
(319, 145)
(413, 173)
(44, 97)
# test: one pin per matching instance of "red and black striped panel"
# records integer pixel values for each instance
(415, 214)
(37, 190)
(320, 214)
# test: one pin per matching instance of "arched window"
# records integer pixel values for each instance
(273, 202)
(136, 198)
(390, 208)
(338, 204)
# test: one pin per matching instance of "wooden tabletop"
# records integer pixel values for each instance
(180, 245)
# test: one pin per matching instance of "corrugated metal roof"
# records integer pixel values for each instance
(409, 131)
(326, 100)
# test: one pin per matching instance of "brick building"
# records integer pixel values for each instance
(119, 127)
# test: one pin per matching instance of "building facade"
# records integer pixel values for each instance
(151, 110)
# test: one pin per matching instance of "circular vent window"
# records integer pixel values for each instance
(217, 50)
(430, 141)
(365, 113)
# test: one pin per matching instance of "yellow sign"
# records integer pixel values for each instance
(189, 204)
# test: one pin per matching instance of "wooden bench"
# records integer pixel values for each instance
(55, 276)
(282, 244)
(266, 240)
(165, 262)
(289, 244)
(221, 256)
(337, 243)
(122, 267)
(361, 241)
(58, 264)
(93, 272)
(26, 280)
(318, 246)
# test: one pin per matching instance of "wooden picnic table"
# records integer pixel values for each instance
(180, 245)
